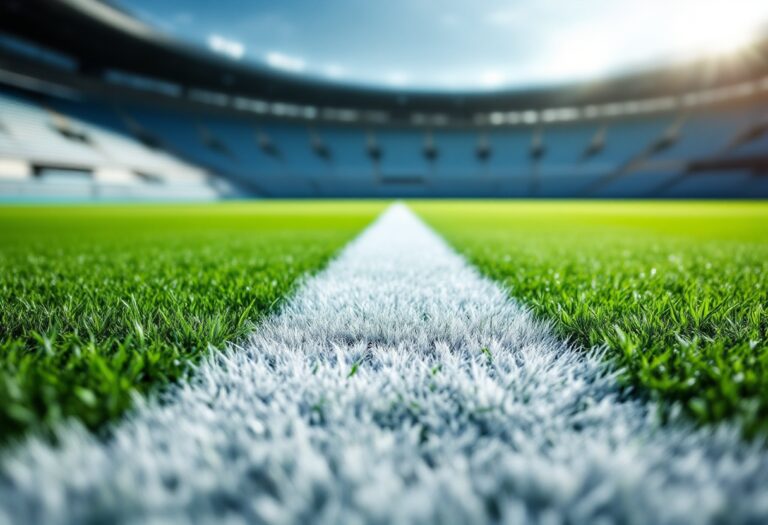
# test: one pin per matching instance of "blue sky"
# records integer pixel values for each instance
(455, 44)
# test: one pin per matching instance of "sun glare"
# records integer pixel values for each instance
(716, 27)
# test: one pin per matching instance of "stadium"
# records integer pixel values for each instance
(383, 262)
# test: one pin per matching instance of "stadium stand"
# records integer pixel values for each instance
(45, 154)
(185, 124)
(96, 149)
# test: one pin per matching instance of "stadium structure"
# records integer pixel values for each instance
(147, 116)
(237, 286)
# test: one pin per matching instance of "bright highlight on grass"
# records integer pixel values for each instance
(100, 302)
(678, 292)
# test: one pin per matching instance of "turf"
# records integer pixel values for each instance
(677, 292)
(397, 375)
(98, 303)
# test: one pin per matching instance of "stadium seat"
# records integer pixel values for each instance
(46, 152)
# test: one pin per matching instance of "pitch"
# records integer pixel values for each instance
(578, 363)
(676, 291)
(102, 302)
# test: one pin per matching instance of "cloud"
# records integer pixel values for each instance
(226, 46)
(279, 60)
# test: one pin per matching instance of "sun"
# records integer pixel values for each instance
(716, 27)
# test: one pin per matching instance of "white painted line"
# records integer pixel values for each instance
(397, 386)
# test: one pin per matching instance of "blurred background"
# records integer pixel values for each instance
(196, 100)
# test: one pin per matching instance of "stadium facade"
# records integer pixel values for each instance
(94, 104)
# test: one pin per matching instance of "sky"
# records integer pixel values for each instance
(458, 44)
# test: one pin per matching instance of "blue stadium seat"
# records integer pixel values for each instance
(754, 148)
(294, 141)
(95, 112)
(402, 154)
(349, 149)
(561, 170)
(565, 145)
(705, 135)
(241, 136)
(457, 155)
(721, 184)
(180, 133)
(637, 184)
(626, 139)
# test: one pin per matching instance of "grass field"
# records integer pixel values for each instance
(100, 302)
(678, 292)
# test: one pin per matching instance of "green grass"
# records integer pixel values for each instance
(100, 302)
(678, 292)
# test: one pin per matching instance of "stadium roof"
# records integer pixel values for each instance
(99, 45)
(457, 45)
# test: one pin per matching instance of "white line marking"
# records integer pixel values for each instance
(397, 386)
